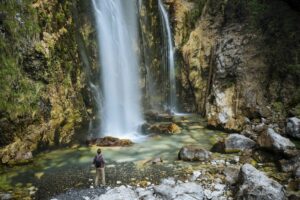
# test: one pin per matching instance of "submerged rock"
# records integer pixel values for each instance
(256, 185)
(193, 153)
(273, 141)
(109, 142)
(234, 143)
(293, 127)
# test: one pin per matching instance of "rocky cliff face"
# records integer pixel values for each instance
(239, 60)
(41, 77)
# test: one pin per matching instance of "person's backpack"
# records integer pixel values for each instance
(99, 162)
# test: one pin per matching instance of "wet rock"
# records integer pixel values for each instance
(256, 185)
(293, 127)
(234, 143)
(193, 153)
(273, 141)
(231, 175)
(164, 128)
(109, 142)
(182, 191)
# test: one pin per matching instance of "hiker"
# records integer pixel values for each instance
(99, 165)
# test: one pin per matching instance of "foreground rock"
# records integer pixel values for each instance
(234, 143)
(109, 142)
(293, 127)
(273, 141)
(119, 193)
(183, 191)
(256, 185)
(193, 153)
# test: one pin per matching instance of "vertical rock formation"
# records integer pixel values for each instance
(239, 60)
(41, 75)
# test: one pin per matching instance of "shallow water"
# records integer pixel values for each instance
(62, 169)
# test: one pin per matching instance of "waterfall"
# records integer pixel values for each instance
(172, 102)
(116, 24)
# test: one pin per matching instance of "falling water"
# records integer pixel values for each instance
(170, 57)
(116, 24)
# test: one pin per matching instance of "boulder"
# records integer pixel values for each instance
(193, 153)
(183, 191)
(234, 143)
(164, 128)
(273, 141)
(231, 175)
(293, 127)
(119, 193)
(256, 185)
(237, 142)
(109, 142)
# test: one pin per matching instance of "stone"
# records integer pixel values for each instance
(273, 141)
(119, 193)
(109, 142)
(293, 127)
(234, 143)
(6, 196)
(231, 175)
(297, 172)
(195, 175)
(145, 194)
(256, 185)
(183, 191)
(154, 161)
(237, 142)
(290, 165)
(193, 153)
(164, 128)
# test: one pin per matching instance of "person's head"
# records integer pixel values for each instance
(98, 151)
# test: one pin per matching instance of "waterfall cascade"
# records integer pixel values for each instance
(116, 23)
(170, 61)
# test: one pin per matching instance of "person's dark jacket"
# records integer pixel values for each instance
(99, 161)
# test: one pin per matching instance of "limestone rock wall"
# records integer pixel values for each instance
(238, 60)
(41, 77)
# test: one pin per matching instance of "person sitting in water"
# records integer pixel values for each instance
(99, 164)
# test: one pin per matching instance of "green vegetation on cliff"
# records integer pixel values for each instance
(40, 75)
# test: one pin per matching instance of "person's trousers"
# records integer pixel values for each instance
(100, 172)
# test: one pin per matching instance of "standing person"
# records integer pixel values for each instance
(99, 165)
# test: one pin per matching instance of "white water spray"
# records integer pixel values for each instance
(116, 23)
(172, 103)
